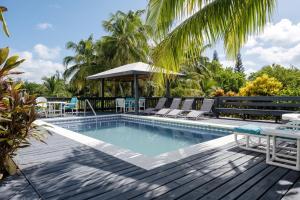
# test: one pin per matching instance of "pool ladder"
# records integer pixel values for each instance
(86, 101)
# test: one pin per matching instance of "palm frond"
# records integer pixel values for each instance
(232, 21)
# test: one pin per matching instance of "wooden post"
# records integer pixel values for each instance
(132, 88)
(102, 94)
(167, 88)
(136, 93)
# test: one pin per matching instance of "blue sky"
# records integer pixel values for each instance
(40, 28)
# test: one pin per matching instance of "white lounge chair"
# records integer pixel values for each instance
(187, 105)
(205, 108)
(175, 105)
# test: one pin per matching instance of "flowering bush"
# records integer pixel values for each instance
(217, 92)
(230, 94)
(262, 86)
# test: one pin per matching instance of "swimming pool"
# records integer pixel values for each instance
(147, 139)
(141, 140)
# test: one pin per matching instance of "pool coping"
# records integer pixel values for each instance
(138, 159)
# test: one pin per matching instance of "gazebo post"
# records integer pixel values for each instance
(136, 93)
(132, 88)
(167, 88)
(102, 94)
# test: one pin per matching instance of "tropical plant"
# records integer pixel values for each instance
(55, 86)
(262, 86)
(218, 92)
(288, 76)
(229, 80)
(83, 62)
(35, 88)
(2, 20)
(188, 24)
(17, 113)
(127, 41)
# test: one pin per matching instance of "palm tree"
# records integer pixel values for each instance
(55, 85)
(128, 39)
(83, 62)
(181, 25)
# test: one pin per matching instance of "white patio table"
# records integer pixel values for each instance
(56, 106)
(272, 158)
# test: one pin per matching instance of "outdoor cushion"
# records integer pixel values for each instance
(291, 117)
(250, 129)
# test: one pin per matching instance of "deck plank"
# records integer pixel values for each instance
(65, 169)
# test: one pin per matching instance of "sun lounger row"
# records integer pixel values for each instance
(185, 111)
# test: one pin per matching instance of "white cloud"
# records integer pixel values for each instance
(36, 66)
(281, 33)
(280, 55)
(251, 43)
(227, 63)
(44, 26)
(279, 43)
(46, 53)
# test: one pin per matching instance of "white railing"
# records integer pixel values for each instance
(86, 101)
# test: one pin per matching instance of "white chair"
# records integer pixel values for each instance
(142, 104)
(42, 106)
(120, 103)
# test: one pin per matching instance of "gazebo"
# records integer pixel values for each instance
(132, 72)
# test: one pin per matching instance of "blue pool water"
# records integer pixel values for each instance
(147, 139)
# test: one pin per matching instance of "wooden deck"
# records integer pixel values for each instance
(65, 169)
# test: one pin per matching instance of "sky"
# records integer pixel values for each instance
(41, 28)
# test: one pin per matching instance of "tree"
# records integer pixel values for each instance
(229, 80)
(215, 56)
(127, 41)
(83, 62)
(239, 64)
(262, 86)
(207, 22)
(55, 86)
(288, 76)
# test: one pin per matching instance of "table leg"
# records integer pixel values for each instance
(274, 148)
(298, 155)
(268, 150)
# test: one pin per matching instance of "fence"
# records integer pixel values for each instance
(262, 106)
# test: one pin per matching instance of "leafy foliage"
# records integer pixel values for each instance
(17, 112)
(217, 92)
(2, 20)
(288, 76)
(128, 39)
(203, 22)
(126, 42)
(55, 86)
(229, 80)
(262, 86)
